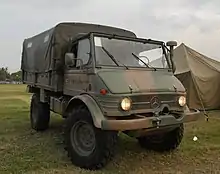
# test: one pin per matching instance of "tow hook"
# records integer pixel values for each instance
(156, 121)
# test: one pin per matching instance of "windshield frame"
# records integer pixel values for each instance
(134, 39)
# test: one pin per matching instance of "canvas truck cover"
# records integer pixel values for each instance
(45, 51)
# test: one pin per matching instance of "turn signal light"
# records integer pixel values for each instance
(103, 91)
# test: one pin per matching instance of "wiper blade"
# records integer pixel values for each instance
(113, 58)
(143, 61)
(140, 59)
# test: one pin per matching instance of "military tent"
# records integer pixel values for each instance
(200, 75)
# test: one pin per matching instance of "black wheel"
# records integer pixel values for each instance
(39, 114)
(87, 146)
(165, 142)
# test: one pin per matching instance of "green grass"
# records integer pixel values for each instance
(22, 150)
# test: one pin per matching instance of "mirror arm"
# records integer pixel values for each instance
(80, 64)
(166, 55)
(171, 58)
(171, 44)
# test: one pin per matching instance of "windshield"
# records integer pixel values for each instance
(117, 52)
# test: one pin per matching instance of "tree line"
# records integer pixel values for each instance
(6, 75)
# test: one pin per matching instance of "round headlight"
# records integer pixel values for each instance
(182, 101)
(126, 104)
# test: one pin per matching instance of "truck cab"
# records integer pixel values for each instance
(125, 78)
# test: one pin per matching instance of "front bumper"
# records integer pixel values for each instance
(150, 122)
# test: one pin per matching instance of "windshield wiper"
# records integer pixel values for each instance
(143, 61)
(140, 59)
(113, 58)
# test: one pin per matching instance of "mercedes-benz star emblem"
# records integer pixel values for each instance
(155, 103)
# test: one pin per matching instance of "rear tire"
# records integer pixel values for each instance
(167, 142)
(39, 114)
(87, 146)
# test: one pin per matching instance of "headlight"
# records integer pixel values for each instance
(126, 104)
(182, 101)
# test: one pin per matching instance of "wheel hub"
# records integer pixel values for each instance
(83, 138)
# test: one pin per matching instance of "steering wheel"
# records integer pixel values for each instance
(146, 58)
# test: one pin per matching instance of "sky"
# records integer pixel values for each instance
(195, 23)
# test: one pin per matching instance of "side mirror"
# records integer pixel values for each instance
(171, 43)
(69, 57)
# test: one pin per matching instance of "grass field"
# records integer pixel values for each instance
(22, 150)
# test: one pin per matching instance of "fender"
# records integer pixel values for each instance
(92, 106)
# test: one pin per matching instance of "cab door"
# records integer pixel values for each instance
(76, 77)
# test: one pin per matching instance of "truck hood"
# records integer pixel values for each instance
(122, 81)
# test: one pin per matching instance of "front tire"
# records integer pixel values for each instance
(39, 114)
(161, 143)
(87, 146)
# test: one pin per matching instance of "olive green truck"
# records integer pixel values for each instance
(103, 80)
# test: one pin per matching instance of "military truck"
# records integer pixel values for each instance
(104, 80)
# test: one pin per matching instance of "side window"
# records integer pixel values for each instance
(83, 51)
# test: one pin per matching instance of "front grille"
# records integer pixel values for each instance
(143, 101)
(108, 103)
(140, 103)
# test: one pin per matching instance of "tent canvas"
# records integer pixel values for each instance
(200, 76)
